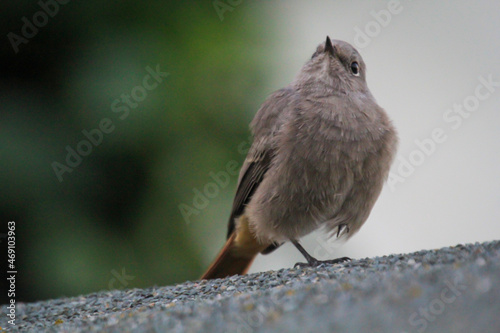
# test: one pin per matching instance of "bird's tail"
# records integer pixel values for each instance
(236, 256)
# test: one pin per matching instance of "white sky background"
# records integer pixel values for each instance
(426, 59)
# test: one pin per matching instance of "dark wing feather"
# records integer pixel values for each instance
(254, 171)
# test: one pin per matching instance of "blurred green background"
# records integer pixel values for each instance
(114, 222)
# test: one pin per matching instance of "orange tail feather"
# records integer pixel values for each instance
(228, 262)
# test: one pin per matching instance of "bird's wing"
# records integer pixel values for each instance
(265, 125)
(252, 173)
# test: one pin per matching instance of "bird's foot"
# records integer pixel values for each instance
(316, 263)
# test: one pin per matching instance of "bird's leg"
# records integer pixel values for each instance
(313, 262)
(341, 227)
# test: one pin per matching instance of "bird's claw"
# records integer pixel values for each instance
(316, 263)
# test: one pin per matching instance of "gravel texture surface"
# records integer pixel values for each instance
(454, 289)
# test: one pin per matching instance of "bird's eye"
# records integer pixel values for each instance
(355, 68)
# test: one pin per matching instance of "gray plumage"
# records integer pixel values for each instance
(322, 150)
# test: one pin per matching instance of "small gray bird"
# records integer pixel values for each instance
(321, 152)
